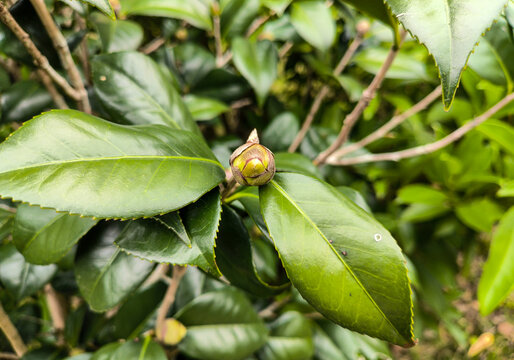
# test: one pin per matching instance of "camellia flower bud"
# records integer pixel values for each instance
(252, 164)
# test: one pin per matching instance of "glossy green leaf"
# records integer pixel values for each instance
(20, 278)
(355, 196)
(237, 16)
(290, 339)
(85, 165)
(507, 189)
(420, 212)
(449, 30)
(193, 62)
(153, 241)
(221, 325)
(133, 315)
(297, 163)
(479, 214)
(313, 21)
(195, 12)
(102, 5)
(257, 62)
(278, 6)
(374, 8)
(6, 222)
(497, 280)
(234, 257)
(133, 89)
(203, 108)
(106, 275)
(404, 67)
(487, 63)
(500, 132)
(44, 236)
(131, 350)
(336, 255)
(23, 100)
(420, 193)
(173, 222)
(118, 35)
(222, 84)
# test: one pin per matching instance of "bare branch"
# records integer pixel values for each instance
(428, 148)
(57, 311)
(63, 50)
(270, 310)
(7, 356)
(10, 66)
(284, 49)
(39, 59)
(153, 45)
(169, 297)
(11, 333)
(363, 103)
(56, 96)
(318, 100)
(391, 124)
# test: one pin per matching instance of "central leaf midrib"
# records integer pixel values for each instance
(309, 220)
(128, 157)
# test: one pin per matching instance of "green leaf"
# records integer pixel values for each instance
(507, 189)
(235, 260)
(118, 35)
(404, 67)
(449, 30)
(133, 315)
(488, 64)
(44, 236)
(221, 325)
(278, 6)
(257, 62)
(420, 212)
(85, 165)
(20, 278)
(236, 16)
(329, 248)
(374, 8)
(355, 196)
(195, 12)
(133, 89)
(500, 132)
(297, 163)
(6, 222)
(203, 108)
(173, 222)
(106, 275)
(280, 133)
(23, 100)
(153, 241)
(290, 338)
(479, 214)
(102, 5)
(420, 193)
(131, 350)
(313, 21)
(497, 279)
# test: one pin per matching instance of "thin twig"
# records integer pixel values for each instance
(257, 24)
(10, 66)
(49, 85)
(169, 297)
(57, 311)
(216, 29)
(428, 148)
(387, 127)
(8, 356)
(61, 46)
(241, 103)
(84, 51)
(11, 333)
(269, 311)
(153, 45)
(363, 103)
(39, 59)
(318, 100)
(284, 49)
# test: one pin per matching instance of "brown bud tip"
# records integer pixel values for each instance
(252, 164)
(363, 27)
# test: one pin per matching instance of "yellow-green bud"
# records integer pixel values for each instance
(252, 164)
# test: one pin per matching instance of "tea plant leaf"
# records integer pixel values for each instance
(151, 240)
(44, 236)
(313, 21)
(173, 222)
(497, 278)
(336, 255)
(81, 164)
(221, 325)
(102, 5)
(133, 89)
(449, 30)
(106, 275)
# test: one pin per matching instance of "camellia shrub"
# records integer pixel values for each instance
(258, 179)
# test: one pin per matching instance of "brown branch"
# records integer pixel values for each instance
(257, 24)
(153, 45)
(60, 44)
(57, 311)
(10, 66)
(39, 59)
(387, 127)
(270, 310)
(428, 148)
(318, 100)
(363, 103)
(169, 297)
(84, 51)
(8, 356)
(284, 49)
(11, 333)
(56, 96)
(216, 29)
